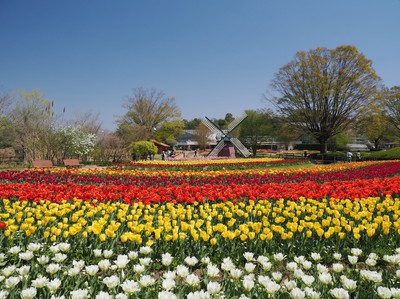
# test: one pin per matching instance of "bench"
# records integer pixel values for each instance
(72, 163)
(42, 163)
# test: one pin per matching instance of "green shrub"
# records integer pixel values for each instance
(142, 149)
(328, 157)
(390, 154)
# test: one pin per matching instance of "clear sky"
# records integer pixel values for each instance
(213, 56)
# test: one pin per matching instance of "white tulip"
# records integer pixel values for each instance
(108, 253)
(168, 284)
(34, 247)
(122, 261)
(130, 287)
(212, 270)
(133, 255)
(213, 288)
(191, 260)
(146, 280)
(192, 280)
(166, 259)
(145, 250)
(11, 282)
(166, 295)
(29, 293)
(79, 294)
(296, 293)
(53, 268)
(92, 270)
(339, 293)
(111, 281)
(40, 282)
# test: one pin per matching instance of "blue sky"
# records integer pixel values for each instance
(214, 56)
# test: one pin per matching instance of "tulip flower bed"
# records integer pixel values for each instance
(202, 230)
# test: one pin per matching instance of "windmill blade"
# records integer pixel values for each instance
(210, 125)
(236, 122)
(240, 147)
(220, 145)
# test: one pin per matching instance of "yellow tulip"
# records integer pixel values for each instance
(102, 237)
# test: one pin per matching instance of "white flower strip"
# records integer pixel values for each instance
(122, 278)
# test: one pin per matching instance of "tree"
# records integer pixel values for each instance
(256, 128)
(109, 148)
(323, 91)
(6, 130)
(339, 141)
(75, 142)
(87, 122)
(142, 149)
(374, 124)
(392, 101)
(202, 135)
(169, 131)
(33, 125)
(191, 124)
(5, 103)
(147, 110)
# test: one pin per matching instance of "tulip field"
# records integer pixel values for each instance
(228, 228)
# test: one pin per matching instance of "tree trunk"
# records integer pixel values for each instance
(323, 147)
(254, 150)
(377, 143)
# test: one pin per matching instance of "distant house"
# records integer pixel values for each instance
(187, 140)
(160, 146)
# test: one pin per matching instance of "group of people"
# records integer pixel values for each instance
(350, 156)
(165, 155)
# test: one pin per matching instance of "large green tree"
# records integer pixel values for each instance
(202, 136)
(392, 101)
(257, 128)
(33, 125)
(147, 110)
(6, 129)
(375, 122)
(323, 91)
(168, 131)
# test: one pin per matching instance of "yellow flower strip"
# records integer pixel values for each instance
(177, 163)
(211, 223)
(211, 173)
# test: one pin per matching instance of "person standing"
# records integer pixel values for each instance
(358, 155)
(349, 156)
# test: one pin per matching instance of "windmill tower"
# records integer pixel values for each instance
(227, 144)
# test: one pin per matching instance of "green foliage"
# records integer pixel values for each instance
(392, 100)
(338, 142)
(33, 123)
(148, 109)
(141, 149)
(191, 124)
(256, 127)
(390, 154)
(323, 91)
(6, 132)
(169, 131)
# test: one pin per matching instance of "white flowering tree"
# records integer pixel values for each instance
(75, 142)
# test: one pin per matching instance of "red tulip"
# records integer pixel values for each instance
(3, 225)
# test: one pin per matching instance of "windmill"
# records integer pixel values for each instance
(227, 144)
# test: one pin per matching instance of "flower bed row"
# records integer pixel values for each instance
(162, 178)
(209, 164)
(360, 188)
(41, 271)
